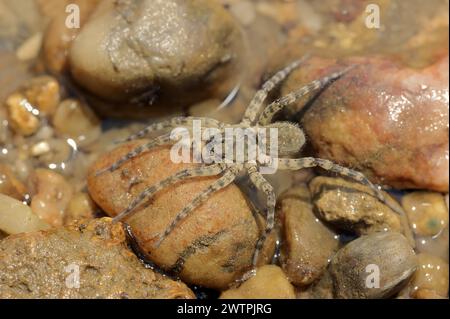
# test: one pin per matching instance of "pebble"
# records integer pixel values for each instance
(352, 206)
(21, 117)
(80, 207)
(157, 54)
(431, 274)
(10, 185)
(29, 50)
(50, 195)
(361, 269)
(75, 120)
(269, 282)
(427, 212)
(16, 217)
(308, 245)
(43, 93)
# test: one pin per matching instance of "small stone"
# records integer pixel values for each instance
(352, 206)
(59, 157)
(435, 245)
(75, 120)
(21, 117)
(95, 253)
(29, 50)
(10, 185)
(372, 266)
(16, 217)
(80, 207)
(398, 136)
(427, 212)
(50, 195)
(308, 245)
(431, 274)
(40, 148)
(427, 294)
(43, 93)
(269, 282)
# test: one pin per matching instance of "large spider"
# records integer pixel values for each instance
(290, 141)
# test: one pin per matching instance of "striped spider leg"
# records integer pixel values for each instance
(262, 184)
(158, 141)
(201, 171)
(311, 162)
(256, 103)
(227, 178)
(273, 108)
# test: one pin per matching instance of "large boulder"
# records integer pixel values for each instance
(83, 260)
(169, 53)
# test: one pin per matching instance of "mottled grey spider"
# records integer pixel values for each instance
(291, 140)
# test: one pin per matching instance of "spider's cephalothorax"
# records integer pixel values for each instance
(290, 141)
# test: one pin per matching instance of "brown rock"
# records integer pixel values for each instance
(46, 264)
(80, 207)
(269, 282)
(171, 53)
(427, 212)
(308, 244)
(382, 118)
(372, 266)
(431, 274)
(211, 247)
(16, 217)
(352, 206)
(10, 185)
(22, 121)
(50, 193)
(43, 93)
(76, 120)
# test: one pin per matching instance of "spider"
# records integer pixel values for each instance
(291, 140)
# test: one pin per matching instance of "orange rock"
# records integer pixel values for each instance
(50, 194)
(211, 247)
(385, 119)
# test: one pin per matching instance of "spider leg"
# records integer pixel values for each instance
(276, 106)
(211, 170)
(257, 101)
(310, 162)
(221, 183)
(161, 140)
(261, 183)
(172, 123)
